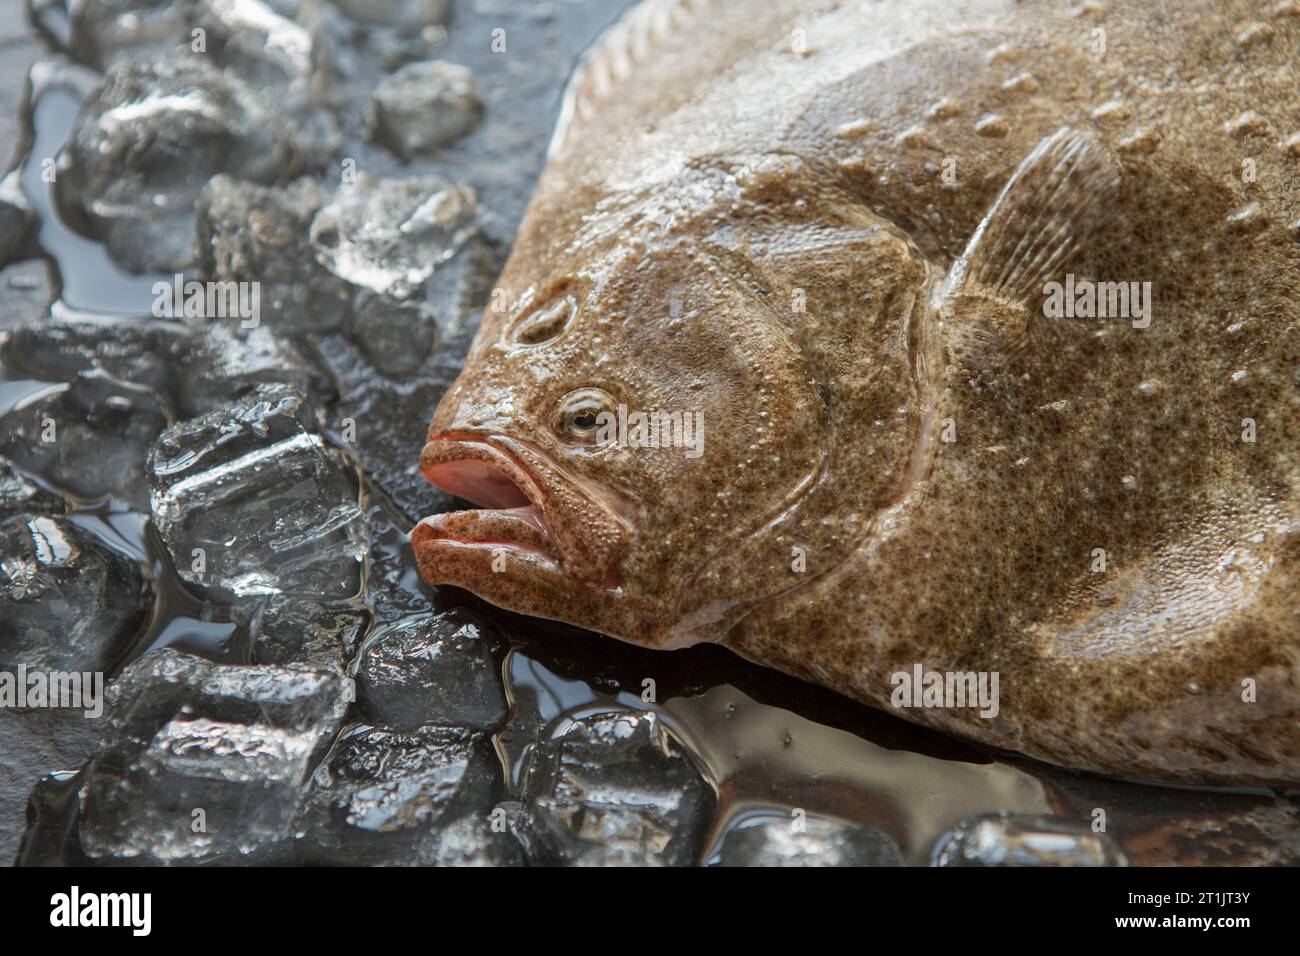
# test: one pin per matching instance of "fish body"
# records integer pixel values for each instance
(980, 327)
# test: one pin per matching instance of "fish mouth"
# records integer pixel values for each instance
(510, 504)
(530, 510)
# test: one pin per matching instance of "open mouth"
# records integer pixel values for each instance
(510, 503)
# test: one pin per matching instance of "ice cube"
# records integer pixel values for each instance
(1008, 839)
(478, 840)
(250, 500)
(441, 668)
(68, 601)
(205, 762)
(614, 789)
(137, 351)
(395, 335)
(147, 141)
(18, 494)
(390, 235)
(195, 369)
(17, 221)
(425, 106)
(265, 49)
(293, 631)
(251, 233)
(104, 32)
(226, 361)
(89, 437)
(381, 793)
(800, 840)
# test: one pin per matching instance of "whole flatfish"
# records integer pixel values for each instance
(946, 355)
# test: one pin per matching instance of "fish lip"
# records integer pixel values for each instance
(498, 528)
(541, 527)
(459, 526)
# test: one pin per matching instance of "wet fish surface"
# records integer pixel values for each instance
(975, 329)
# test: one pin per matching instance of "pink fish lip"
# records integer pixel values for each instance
(511, 505)
(528, 506)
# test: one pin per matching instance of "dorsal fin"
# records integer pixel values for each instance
(641, 32)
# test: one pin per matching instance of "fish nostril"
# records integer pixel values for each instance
(543, 324)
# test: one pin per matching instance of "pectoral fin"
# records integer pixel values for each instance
(1055, 202)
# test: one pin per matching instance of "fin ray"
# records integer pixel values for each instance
(1056, 200)
(613, 58)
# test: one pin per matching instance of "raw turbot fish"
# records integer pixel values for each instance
(968, 338)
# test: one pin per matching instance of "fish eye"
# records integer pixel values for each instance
(545, 323)
(578, 414)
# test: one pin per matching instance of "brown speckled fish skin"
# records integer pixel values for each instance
(685, 208)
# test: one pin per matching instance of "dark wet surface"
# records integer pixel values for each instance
(470, 734)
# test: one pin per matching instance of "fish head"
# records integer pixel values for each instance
(644, 416)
